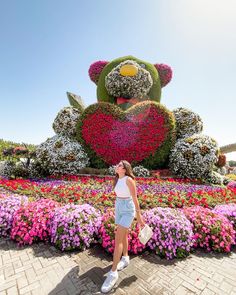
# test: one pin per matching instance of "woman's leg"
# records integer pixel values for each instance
(119, 238)
(125, 244)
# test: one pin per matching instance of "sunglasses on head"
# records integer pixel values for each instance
(120, 165)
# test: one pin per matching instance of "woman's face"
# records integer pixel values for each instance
(120, 168)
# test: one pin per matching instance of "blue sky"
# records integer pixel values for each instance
(46, 48)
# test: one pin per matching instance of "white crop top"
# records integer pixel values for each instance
(121, 188)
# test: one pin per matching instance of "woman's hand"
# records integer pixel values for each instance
(140, 219)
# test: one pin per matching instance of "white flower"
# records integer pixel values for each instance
(187, 122)
(214, 178)
(222, 170)
(66, 121)
(6, 168)
(194, 157)
(141, 171)
(62, 154)
(111, 170)
(136, 86)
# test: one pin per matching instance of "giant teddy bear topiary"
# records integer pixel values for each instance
(129, 122)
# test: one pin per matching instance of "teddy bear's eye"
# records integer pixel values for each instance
(143, 66)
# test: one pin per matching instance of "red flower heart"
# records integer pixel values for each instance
(133, 135)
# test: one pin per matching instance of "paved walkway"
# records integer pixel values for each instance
(41, 269)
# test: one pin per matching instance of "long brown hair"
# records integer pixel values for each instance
(128, 172)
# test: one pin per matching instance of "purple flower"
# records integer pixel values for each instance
(75, 226)
(8, 207)
(172, 232)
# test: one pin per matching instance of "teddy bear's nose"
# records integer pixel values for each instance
(128, 70)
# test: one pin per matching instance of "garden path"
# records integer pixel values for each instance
(41, 269)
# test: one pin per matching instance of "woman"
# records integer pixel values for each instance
(125, 207)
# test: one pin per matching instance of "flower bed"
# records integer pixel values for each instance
(8, 206)
(229, 211)
(90, 219)
(75, 226)
(214, 232)
(172, 232)
(112, 124)
(98, 192)
(31, 223)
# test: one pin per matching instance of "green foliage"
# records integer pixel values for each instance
(76, 101)
(5, 144)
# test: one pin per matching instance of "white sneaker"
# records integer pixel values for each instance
(123, 262)
(109, 282)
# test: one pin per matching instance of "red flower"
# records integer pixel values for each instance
(134, 137)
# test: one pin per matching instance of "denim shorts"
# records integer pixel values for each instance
(124, 212)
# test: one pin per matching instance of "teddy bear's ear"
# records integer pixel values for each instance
(95, 70)
(165, 73)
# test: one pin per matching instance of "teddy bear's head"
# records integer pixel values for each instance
(128, 80)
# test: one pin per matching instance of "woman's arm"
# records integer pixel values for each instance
(133, 191)
(132, 187)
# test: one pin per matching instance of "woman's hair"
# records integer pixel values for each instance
(128, 171)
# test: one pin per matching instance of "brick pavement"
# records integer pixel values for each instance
(41, 269)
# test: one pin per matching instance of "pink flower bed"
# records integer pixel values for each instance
(212, 231)
(32, 222)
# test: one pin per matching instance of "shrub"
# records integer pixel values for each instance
(7, 168)
(75, 226)
(172, 232)
(8, 207)
(31, 223)
(228, 210)
(62, 155)
(187, 122)
(65, 121)
(141, 171)
(214, 178)
(194, 157)
(212, 231)
(111, 170)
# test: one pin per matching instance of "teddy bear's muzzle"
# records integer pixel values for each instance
(128, 70)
